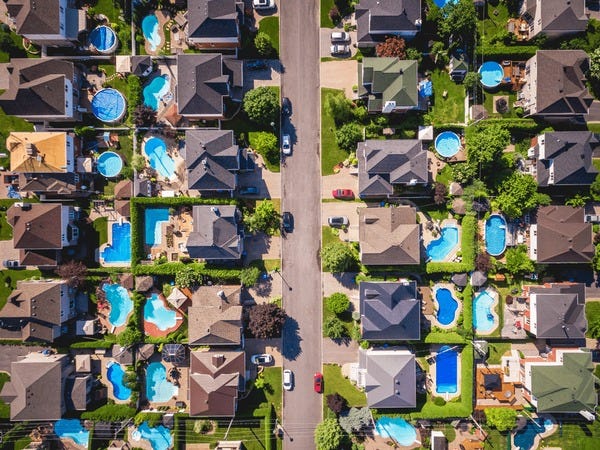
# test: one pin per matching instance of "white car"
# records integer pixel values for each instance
(340, 37)
(340, 49)
(263, 4)
(262, 359)
(288, 380)
(286, 145)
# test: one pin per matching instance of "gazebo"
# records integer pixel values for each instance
(492, 382)
(478, 278)
(174, 354)
(177, 298)
(460, 279)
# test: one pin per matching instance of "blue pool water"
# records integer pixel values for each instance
(158, 389)
(109, 164)
(108, 105)
(396, 428)
(446, 370)
(71, 428)
(119, 251)
(483, 320)
(120, 303)
(156, 151)
(442, 3)
(491, 74)
(153, 219)
(104, 39)
(155, 91)
(447, 306)
(159, 437)
(525, 437)
(447, 144)
(155, 312)
(150, 30)
(495, 235)
(116, 375)
(439, 249)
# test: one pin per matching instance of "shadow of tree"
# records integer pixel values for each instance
(291, 339)
(346, 279)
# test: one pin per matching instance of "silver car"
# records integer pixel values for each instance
(288, 380)
(286, 145)
(340, 49)
(340, 37)
(338, 221)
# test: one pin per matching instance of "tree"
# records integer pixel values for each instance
(517, 260)
(414, 54)
(472, 85)
(339, 107)
(595, 188)
(328, 435)
(483, 262)
(187, 277)
(266, 320)
(262, 105)
(577, 200)
(459, 19)
(503, 419)
(263, 44)
(336, 403)
(393, 47)
(73, 272)
(337, 257)
(264, 218)
(337, 303)
(334, 328)
(485, 146)
(334, 14)
(144, 116)
(138, 162)
(355, 420)
(518, 194)
(129, 336)
(595, 65)
(348, 135)
(439, 53)
(134, 93)
(86, 133)
(439, 195)
(266, 144)
(249, 276)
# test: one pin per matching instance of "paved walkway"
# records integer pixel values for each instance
(340, 75)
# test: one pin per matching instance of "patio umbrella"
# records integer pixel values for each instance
(177, 298)
(144, 283)
(459, 206)
(478, 278)
(174, 353)
(460, 279)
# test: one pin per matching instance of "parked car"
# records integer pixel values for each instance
(262, 359)
(340, 49)
(286, 145)
(287, 222)
(343, 194)
(340, 37)
(318, 382)
(286, 106)
(338, 221)
(256, 64)
(10, 263)
(249, 190)
(288, 380)
(263, 4)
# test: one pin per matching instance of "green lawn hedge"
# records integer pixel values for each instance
(469, 234)
(170, 269)
(498, 52)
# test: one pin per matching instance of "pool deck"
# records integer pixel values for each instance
(175, 234)
(508, 396)
(428, 236)
(151, 329)
(182, 381)
(433, 317)
(434, 350)
(163, 17)
(373, 442)
(107, 383)
(493, 293)
(179, 179)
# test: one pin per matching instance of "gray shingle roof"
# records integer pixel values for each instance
(559, 15)
(35, 16)
(378, 18)
(38, 227)
(140, 64)
(216, 234)
(560, 311)
(212, 19)
(214, 320)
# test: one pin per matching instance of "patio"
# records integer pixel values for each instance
(492, 388)
(178, 180)
(174, 234)
(153, 330)
(176, 374)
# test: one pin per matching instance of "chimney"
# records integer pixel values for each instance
(221, 294)
(218, 360)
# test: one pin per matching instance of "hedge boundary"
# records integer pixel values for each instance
(469, 234)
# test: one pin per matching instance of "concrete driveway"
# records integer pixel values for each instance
(342, 180)
(8, 251)
(348, 209)
(267, 182)
(325, 43)
(340, 75)
(259, 346)
(267, 77)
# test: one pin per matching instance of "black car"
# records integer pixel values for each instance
(286, 106)
(256, 64)
(287, 222)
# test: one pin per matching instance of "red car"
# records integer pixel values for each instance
(343, 194)
(318, 382)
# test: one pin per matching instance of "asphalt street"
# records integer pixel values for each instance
(301, 195)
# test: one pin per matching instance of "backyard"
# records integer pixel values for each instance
(451, 108)
(8, 281)
(575, 436)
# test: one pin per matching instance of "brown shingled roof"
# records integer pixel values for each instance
(214, 320)
(38, 227)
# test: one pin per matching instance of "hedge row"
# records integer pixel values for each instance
(181, 201)
(517, 52)
(110, 413)
(101, 343)
(467, 309)
(444, 337)
(171, 268)
(514, 124)
(469, 233)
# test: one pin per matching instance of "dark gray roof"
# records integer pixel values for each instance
(212, 159)
(478, 278)
(140, 64)
(208, 19)
(377, 18)
(52, 184)
(35, 16)
(217, 234)
(235, 69)
(390, 311)
(567, 158)
(390, 378)
(460, 279)
(559, 15)
(122, 355)
(202, 85)
(76, 392)
(383, 163)
(560, 311)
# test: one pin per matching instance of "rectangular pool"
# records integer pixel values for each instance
(153, 220)
(446, 371)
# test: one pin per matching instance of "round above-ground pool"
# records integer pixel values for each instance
(104, 39)
(447, 306)
(108, 105)
(447, 144)
(495, 235)
(150, 31)
(491, 74)
(109, 164)
(396, 428)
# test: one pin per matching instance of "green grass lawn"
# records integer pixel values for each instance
(326, 6)
(444, 176)
(251, 431)
(9, 124)
(8, 281)
(345, 317)
(331, 154)
(488, 103)
(575, 436)
(496, 351)
(100, 225)
(270, 26)
(452, 108)
(6, 231)
(4, 407)
(329, 236)
(496, 440)
(334, 381)
(109, 8)
(495, 20)
(592, 314)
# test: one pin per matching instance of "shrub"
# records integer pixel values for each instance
(337, 303)
(334, 328)
(249, 276)
(439, 401)
(336, 403)
(348, 136)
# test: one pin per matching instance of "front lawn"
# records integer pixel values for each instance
(345, 317)
(4, 407)
(271, 394)
(270, 26)
(9, 124)
(334, 381)
(8, 281)
(592, 314)
(331, 154)
(449, 110)
(329, 236)
(326, 6)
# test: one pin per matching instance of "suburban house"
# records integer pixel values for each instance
(563, 158)
(55, 186)
(44, 386)
(560, 235)
(378, 19)
(388, 84)
(215, 316)
(388, 377)
(390, 311)
(41, 152)
(41, 231)
(40, 89)
(205, 80)
(556, 311)
(218, 233)
(553, 18)
(564, 382)
(555, 86)
(215, 378)
(214, 24)
(389, 236)
(38, 311)
(384, 164)
(213, 160)
(47, 22)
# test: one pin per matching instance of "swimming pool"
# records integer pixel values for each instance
(158, 389)
(156, 151)
(439, 249)
(447, 306)
(525, 438)
(104, 39)
(119, 251)
(153, 219)
(446, 370)
(157, 313)
(483, 319)
(116, 376)
(150, 31)
(396, 428)
(156, 90)
(442, 3)
(447, 144)
(495, 235)
(491, 74)
(108, 105)
(159, 437)
(109, 164)
(120, 303)
(71, 428)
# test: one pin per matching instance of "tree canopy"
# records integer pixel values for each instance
(503, 419)
(595, 65)
(263, 44)
(264, 218)
(394, 47)
(249, 276)
(337, 303)
(517, 260)
(187, 277)
(262, 105)
(459, 20)
(348, 135)
(334, 328)
(73, 272)
(518, 194)
(266, 144)
(337, 257)
(485, 145)
(339, 107)
(266, 320)
(328, 435)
